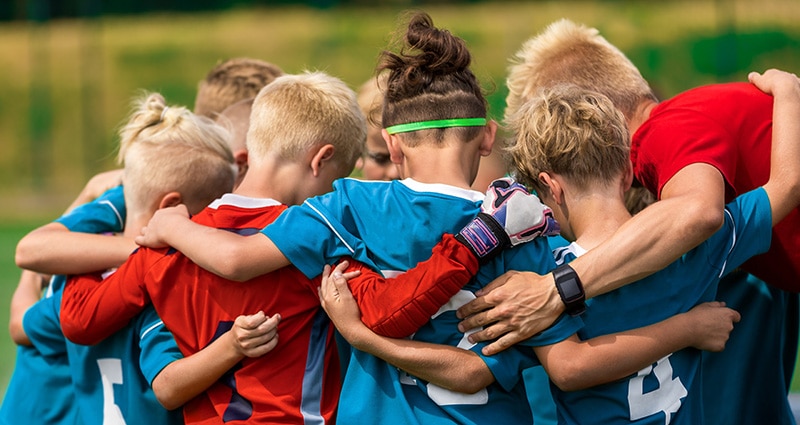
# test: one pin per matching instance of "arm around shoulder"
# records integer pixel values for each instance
(223, 253)
(783, 187)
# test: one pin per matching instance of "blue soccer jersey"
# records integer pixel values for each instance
(104, 214)
(115, 376)
(392, 226)
(763, 344)
(40, 389)
(670, 390)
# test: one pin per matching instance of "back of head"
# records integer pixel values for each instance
(570, 131)
(236, 118)
(170, 149)
(370, 99)
(429, 79)
(296, 113)
(569, 53)
(231, 81)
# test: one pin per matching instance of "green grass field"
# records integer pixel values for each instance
(10, 233)
(66, 85)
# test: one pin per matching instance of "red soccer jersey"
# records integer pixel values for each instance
(298, 379)
(728, 126)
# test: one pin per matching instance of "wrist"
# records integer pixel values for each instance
(484, 236)
(570, 290)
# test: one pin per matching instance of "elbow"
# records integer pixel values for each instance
(711, 221)
(568, 377)
(76, 333)
(168, 397)
(702, 221)
(17, 333)
(230, 265)
(474, 380)
(26, 255)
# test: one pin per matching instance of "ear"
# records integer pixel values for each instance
(490, 132)
(321, 158)
(240, 159)
(171, 199)
(393, 144)
(556, 191)
(628, 181)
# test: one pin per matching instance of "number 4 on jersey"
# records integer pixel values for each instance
(665, 398)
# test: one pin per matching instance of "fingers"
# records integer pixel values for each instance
(257, 334)
(501, 344)
(473, 313)
(324, 283)
(494, 331)
(500, 281)
(340, 268)
(334, 282)
(737, 317)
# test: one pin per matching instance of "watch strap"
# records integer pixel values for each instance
(570, 289)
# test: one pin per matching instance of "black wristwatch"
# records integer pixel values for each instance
(570, 289)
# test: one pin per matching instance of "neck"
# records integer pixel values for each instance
(454, 166)
(134, 222)
(275, 178)
(590, 228)
(642, 114)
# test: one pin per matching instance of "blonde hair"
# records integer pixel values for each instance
(570, 53)
(569, 131)
(370, 98)
(296, 113)
(170, 149)
(231, 81)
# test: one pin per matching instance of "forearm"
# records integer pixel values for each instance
(449, 367)
(224, 253)
(184, 379)
(574, 364)
(783, 186)
(53, 249)
(92, 310)
(646, 243)
(397, 307)
(28, 292)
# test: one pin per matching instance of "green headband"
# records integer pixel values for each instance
(425, 125)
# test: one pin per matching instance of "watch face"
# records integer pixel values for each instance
(570, 288)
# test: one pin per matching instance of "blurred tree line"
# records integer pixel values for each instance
(52, 9)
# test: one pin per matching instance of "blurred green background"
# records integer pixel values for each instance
(66, 83)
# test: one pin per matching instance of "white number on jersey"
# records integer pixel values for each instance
(666, 398)
(110, 374)
(442, 396)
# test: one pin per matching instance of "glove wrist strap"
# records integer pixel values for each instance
(484, 236)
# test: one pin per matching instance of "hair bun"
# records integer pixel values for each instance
(440, 51)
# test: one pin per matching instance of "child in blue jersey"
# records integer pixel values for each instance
(436, 132)
(572, 146)
(170, 155)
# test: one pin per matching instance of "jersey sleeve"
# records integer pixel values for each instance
(747, 230)
(158, 347)
(313, 234)
(397, 307)
(104, 214)
(41, 325)
(507, 366)
(93, 308)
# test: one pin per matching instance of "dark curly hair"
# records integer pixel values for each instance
(430, 79)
